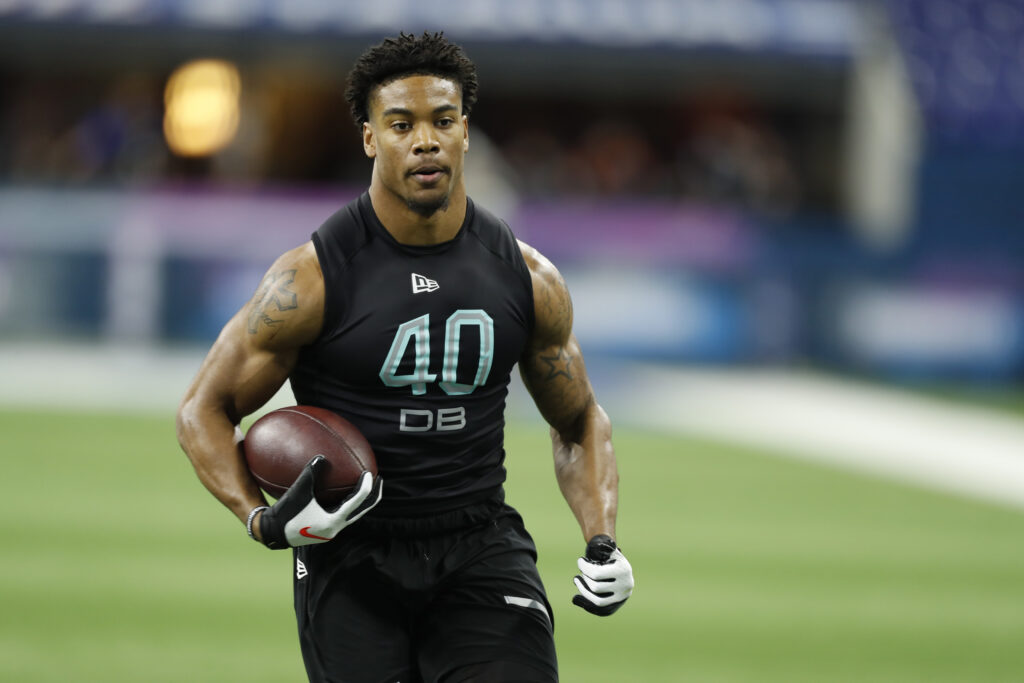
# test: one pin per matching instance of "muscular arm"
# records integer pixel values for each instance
(553, 371)
(248, 363)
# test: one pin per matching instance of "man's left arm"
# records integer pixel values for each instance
(555, 375)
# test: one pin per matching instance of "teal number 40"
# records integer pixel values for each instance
(417, 333)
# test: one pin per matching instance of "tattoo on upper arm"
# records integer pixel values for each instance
(558, 364)
(272, 295)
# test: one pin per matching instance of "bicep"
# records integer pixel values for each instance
(257, 349)
(557, 380)
(239, 375)
(552, 367)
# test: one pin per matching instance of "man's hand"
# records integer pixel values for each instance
(605, 579)
(298, 519)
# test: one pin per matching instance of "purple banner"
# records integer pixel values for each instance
(636, 232)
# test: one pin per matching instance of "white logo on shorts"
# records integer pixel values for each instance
(300, 570)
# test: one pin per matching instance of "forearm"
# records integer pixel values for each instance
(208, 438)
(587, 473)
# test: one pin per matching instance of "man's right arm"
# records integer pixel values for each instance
(249, 362)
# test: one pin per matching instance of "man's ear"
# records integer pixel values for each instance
(465, 133)
(369, 141)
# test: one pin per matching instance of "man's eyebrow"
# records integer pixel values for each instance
(402, 111)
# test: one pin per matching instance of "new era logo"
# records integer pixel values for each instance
(422, 284)
(300, 570)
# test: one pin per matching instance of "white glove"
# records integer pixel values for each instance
(298, 519)
(605, 579)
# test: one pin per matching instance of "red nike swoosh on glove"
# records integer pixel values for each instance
(304, 531)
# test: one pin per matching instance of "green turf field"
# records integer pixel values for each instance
(118, 566)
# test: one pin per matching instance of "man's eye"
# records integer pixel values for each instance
(445, 123)
(400, 125)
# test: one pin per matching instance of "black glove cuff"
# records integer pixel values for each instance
(270, 535)
(600, 549)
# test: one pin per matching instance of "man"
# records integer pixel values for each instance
(406, 313)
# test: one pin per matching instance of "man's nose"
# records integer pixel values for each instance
(424, 140)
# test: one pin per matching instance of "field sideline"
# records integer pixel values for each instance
(965, 447)
(120, 567)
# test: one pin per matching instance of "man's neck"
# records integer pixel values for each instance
(412, 228)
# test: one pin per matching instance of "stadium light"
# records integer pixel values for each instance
(201, 107)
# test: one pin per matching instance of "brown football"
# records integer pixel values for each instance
(282, 442)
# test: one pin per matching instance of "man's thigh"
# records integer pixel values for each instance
(493, 644)
(352, 629)
(491, 621)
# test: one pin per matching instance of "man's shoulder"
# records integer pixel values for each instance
(552, 303)
(303, 256)
(287, 309)
(541, 269)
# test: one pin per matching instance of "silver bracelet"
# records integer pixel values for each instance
(252, 515)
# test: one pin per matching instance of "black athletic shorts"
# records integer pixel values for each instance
(442, 599)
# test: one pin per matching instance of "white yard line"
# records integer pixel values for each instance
(129, 379)
(962, 449)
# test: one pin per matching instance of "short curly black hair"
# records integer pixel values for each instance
(407, 55)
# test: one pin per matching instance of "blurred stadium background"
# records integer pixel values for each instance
(791, 228)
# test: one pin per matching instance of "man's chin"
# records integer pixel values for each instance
(427, 207)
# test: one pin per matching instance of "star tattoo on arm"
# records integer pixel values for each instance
(558, 364)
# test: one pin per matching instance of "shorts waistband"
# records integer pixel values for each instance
(467, 515)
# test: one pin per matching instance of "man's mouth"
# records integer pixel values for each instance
(427, 174)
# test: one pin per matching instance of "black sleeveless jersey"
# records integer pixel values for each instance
(416, 350)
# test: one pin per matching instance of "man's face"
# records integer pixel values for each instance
(417, 137)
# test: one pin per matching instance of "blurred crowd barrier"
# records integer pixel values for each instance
(665, 281)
